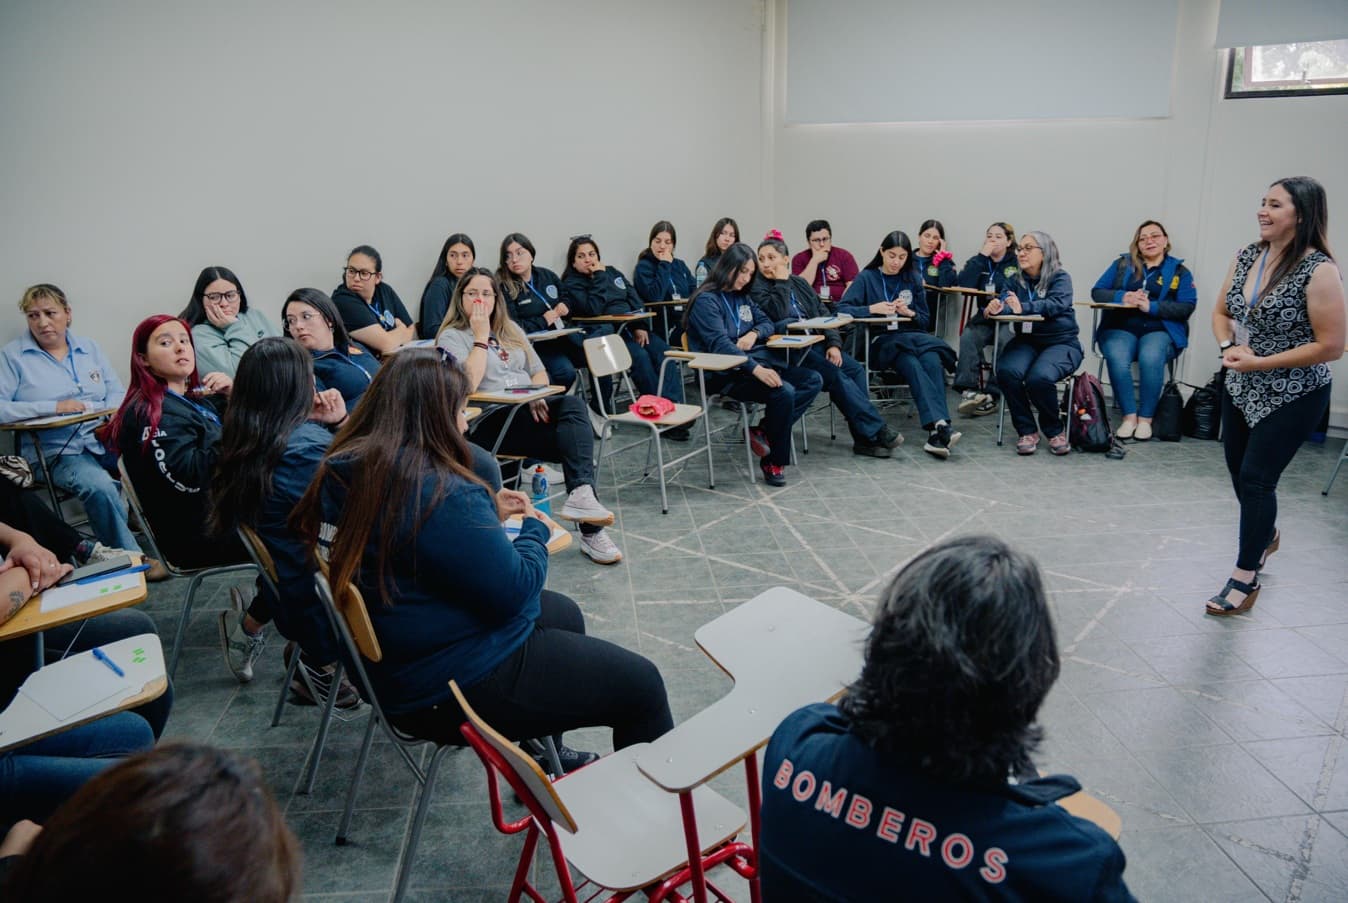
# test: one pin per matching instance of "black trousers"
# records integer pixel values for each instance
(560, 679)
(566, 437)
(1256, 458)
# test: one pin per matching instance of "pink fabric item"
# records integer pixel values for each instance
(651, 407)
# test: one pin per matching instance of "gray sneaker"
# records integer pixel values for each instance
(971, 401)
(600, 548)
(240, 648)
(582, 506)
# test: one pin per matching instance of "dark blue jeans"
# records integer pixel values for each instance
(785, 404)
(646, 362)
(1151, 350)
(1028, 371)
(1257, 456)
(846, 386)
(926, 380)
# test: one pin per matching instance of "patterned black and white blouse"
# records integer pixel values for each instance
(1278, 323)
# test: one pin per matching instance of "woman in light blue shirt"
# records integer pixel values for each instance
(53, 371)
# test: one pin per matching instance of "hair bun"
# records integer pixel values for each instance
(774, 233)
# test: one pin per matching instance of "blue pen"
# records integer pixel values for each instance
(103, 657)
(96, 577)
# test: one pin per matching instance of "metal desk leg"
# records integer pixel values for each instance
(1001, 408)
(698, 876)
(751, 781)
(46, 473)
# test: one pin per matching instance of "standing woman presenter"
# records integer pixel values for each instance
(1279, 322)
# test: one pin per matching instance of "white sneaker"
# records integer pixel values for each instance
(600, 548)
(970, 401)
(582, 506)
(241, 649)
(103, 553)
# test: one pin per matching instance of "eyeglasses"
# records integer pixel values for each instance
(823, 239)
(307, 317)
(584, 236)
(360, 275)
(228, 297)
(479, 294)
(1154, 236)
(1025, 249)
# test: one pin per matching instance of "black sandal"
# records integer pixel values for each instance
(1220, 605)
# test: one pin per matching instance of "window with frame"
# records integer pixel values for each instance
(1288, 70)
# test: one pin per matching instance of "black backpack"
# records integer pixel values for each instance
(1203, 412)
(1084, 408)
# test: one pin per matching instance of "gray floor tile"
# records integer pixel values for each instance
(1183, 864)
(1220, 783)
(1301, 858)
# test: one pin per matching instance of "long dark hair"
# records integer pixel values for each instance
(185, 821)
(145, 395)
(319, 301)
(404, 431)
(1312, 207)
(712, 250)
(960, 657)
(577, 243)
(723, 274)
(195, 311)
(273, 394)
(663, 226)
(896, 239)
(441, 267)
(509, 281)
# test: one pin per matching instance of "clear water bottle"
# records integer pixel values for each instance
(539, 492)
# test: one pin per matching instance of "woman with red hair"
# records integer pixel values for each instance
(167, 432)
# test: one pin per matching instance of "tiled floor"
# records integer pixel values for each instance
(1219, 741)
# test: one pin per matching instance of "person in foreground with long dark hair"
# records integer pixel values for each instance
(1278, 334)
(183, 822)
(276, 429)
(920, 778)
(396, 510)
(723, 319)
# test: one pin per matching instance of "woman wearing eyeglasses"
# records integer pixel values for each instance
(457, 256)
(534, 300)
(372, 312)
(1156, 296)
(1039, 354)
(223, 326)
(310, 318)
(497, 357)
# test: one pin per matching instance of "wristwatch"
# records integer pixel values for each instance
(1225, 344)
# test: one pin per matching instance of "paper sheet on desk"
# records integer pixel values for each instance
(512, 528)
(68, 687)
(59, 597)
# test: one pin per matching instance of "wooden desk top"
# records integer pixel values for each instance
(1018, 318)
(837, 322)
(31, 618)
(784, 650)
(140, 657)
(701, 360)
(959, 290)
(55, 421)
(673, 302)
(787, 342)
(882, 320)
(615, 318)
(508, 397)
(561, 537)
(544, 334)
(471, 413)
(1105, 306)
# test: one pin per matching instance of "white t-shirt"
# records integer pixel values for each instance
(506, 368)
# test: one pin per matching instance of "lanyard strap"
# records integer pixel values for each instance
(795, 308)
(201, 409)
(1259, 279)
(734, 314)
(538, 295)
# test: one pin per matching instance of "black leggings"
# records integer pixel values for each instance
(1256, 458)
(558, 680)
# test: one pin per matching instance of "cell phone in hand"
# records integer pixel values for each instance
(97, 569)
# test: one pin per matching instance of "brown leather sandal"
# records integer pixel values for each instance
(1273, 546)
(1221, 606)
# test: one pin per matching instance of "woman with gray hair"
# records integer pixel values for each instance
(1040, 353)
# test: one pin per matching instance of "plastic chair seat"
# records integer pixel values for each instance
(682, 415)
(630, 832)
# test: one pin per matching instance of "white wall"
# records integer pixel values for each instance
(1088, 182)
(146, 139)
